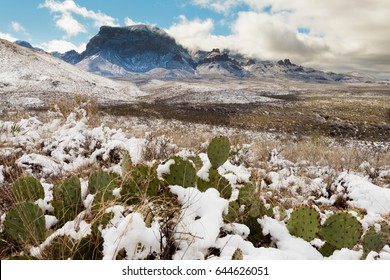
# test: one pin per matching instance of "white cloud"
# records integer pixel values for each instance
(17, 27)
(221, 6)
(129, 22)
(196, 34)
(66, 21)
(7, 37)
(71, 26)
(342, 34)
(61, 46)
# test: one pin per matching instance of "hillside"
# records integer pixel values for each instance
(29, 77)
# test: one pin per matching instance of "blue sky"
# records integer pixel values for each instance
(39, 26)
(331, 35)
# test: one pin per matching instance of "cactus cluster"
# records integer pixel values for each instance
(25, 222)
(184, 171)
(340, 230)
(215, 181)
(141, 182)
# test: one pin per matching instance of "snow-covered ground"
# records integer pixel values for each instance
(61, 146)
(29, 78)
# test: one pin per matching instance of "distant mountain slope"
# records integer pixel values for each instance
(27, 45)
(71, 56)
(30, 76)
(116, 51)
(215, 63)
(147, 52)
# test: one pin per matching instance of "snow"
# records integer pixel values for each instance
(62, 146)
(164, 168)
(200, 221)
(1, 174)
(75, 229)
(291, 246)
(131, 234)
(37, 77)
(366, 195)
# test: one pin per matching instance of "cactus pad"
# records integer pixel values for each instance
(304, 223)
(100, 181)
(218, 151)
(234, 209)
(375, 241)
(25, 223)
(342, 230)
(245, 196)
(181, 173)
(27, 189)
(216, 181)
(327, 250)
(67, 200)
(140, 183)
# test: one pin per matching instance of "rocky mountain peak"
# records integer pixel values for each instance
(136, 48)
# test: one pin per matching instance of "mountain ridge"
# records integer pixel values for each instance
(139, 51)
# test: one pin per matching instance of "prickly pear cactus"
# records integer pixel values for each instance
(342, 230)
(181, 173)
(25, 223)
(249, 197)
(102, 184)
(67, 200)
(375, 241)
(66, 247)
(27, 189)
(246, 193)
(101, 181)
(142, 182)
(327, 250)
(234, 210)
(218, 151)
(216, 181)
(304, 223)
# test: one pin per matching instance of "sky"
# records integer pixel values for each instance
(331, 35)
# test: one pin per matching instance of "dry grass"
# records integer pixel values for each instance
(66, 106)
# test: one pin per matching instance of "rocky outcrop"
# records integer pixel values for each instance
(137, 48)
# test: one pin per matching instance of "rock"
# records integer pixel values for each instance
(115, 51)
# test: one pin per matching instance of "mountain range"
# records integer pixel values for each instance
(144, 52)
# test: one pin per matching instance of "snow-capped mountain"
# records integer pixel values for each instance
(147, 52)
(31, 77)
(217, 63)
(286, 68)
(116, 51)
(71, 56)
